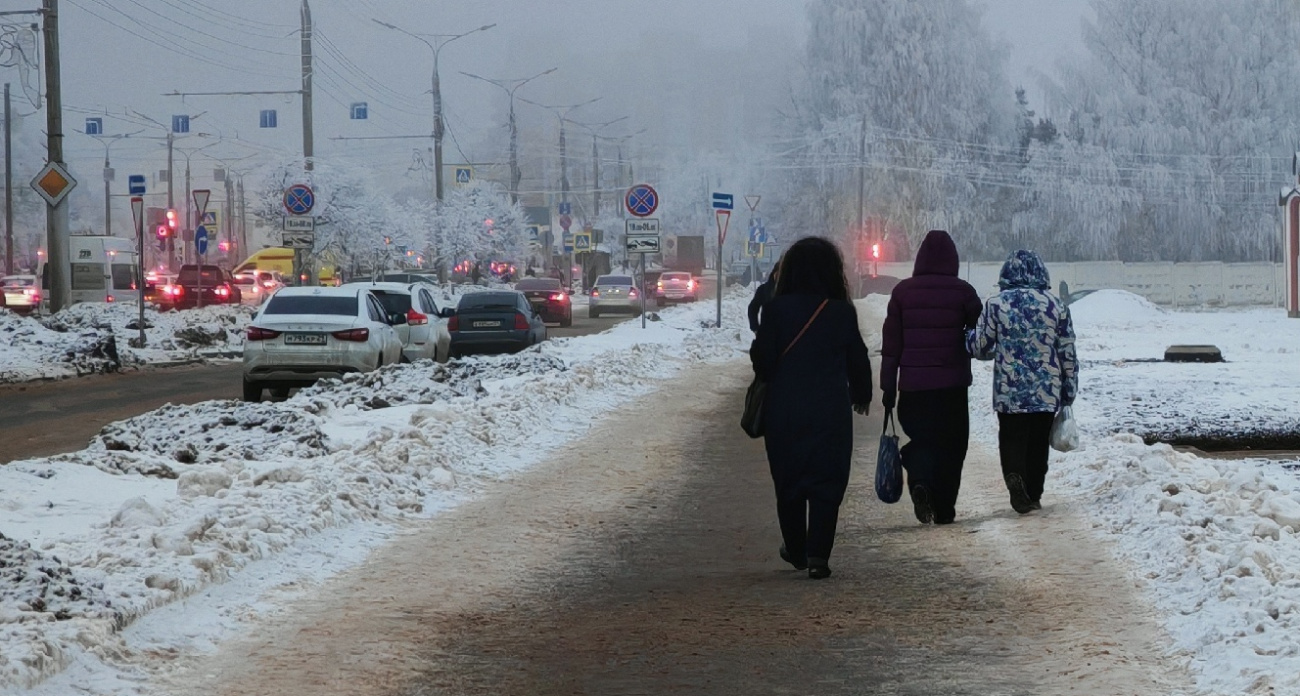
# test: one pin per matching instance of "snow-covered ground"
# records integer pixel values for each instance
(93, 338)
(206, 499)
(1216, 541)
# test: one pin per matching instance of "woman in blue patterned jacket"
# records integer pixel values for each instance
(1028, 332)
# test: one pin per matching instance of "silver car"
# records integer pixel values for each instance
(615, 294)
(305, 334)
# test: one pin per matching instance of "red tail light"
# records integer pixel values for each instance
(661, 285)
(557, 297)
(357, 335)
(257, 333)
(690, 284)
(521, 322)
(414, 318)
(453, 324)
(223, 291)
(595, 292)
(632, 292)
(110, 298)
(174, 290)
(32, 293)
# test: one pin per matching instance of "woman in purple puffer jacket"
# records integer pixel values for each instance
(924, 356)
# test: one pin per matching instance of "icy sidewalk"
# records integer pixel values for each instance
(166, 504)
(1214, 541)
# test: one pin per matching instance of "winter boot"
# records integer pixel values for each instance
(818, 569)
(798, 564)
(1020, 500)
(921, 505)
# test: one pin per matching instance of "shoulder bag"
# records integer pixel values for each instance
(751, 421)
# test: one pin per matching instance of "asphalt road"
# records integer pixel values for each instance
(39, 419)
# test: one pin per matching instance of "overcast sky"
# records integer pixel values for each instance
(695, 73)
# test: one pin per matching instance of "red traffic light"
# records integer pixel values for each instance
(875, 251)
(162, 231)
(173, 220)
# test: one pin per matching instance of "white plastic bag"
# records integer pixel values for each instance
(1065, 432)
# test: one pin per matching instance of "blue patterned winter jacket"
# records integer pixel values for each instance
(1027, 330)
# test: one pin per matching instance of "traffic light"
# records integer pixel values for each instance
(161, 231)
(875, 251)
(173, 222)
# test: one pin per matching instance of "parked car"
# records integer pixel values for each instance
(493, 322)
(548, 298)
(305, 334)
(424, 335)
(675, 286)
(615, 293)
(21, 294)
(210, 282)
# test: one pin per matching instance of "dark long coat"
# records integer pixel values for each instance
(811, 390)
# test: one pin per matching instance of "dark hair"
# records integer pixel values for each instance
(813, 266)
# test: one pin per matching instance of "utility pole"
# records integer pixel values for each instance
(243, 219)
(595, 129)
(307, 143)
(862, 200)
(57, 267)
(9, 185)
(515, 175)
(171, 195)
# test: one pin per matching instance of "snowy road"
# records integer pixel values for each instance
(642, 561)
(45, 418)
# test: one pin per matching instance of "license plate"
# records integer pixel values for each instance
(304, 339)
(486, 324)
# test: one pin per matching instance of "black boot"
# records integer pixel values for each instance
(798, 564)
(1020, 500)
(921, 505)
(818, 569)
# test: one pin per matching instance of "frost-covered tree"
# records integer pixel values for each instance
(479, 223)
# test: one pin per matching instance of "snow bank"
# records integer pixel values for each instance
(1115, 306)
(94, 338)
(165, 504)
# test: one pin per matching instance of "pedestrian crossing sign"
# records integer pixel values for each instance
(464, 175)
(582, 242)
(755, 249)
(211, 220)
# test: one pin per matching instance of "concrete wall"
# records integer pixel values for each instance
(1180, 284)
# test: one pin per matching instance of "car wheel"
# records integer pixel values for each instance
(567, 321)
(595, 313)
(404, 360)
(280, 392)
(252, 392)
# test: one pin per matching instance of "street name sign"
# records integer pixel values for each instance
(300, 223)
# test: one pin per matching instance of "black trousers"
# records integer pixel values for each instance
(937, 423)
(807, 524)
(1023, 440)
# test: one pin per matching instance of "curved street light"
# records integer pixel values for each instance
(515, 175)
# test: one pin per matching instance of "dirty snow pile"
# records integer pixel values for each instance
(164, 505)
(1216, 541)
(94, 338)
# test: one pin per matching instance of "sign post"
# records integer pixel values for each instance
(299, 199)
(642, 201)
(723, 203)
(137, 214)
(201, 197)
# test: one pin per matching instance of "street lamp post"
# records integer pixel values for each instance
(595, 129)
(107, 141)
(515, 175)
(562, 115)
(435, 47)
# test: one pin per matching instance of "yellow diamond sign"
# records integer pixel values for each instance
(54, 183)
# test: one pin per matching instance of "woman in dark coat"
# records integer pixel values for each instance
(812, 392)
(923, 355)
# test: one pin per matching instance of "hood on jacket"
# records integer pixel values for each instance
(937, 256)
(1024, 269)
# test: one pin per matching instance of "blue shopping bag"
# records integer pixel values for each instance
(889, 463)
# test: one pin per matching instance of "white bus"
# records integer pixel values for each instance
(103, 269)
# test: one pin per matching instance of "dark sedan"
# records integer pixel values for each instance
(494, 322)
(548, 298)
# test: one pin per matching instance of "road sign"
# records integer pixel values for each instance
(582, 242)
(360, 111)
(464, 175)
(137, 214)
(566, 208)
(754, 249)
(642, 200)
(135, 184)
(211, 218)
(54, 183)
(268, 118)
(534, 233)
(201, 240)
(724, 221)
(201, 198)
(95, 126)
(299, 199)
(758, 231)
(300, 223)
(642, 244)
(566, 222)
(180, 124)
(299, 240)
(752, 202)
(568, 243)
(724, 201)
(644, 226)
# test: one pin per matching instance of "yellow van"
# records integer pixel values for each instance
(281, 259)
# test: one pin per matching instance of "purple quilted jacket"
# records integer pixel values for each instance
(924, 342)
